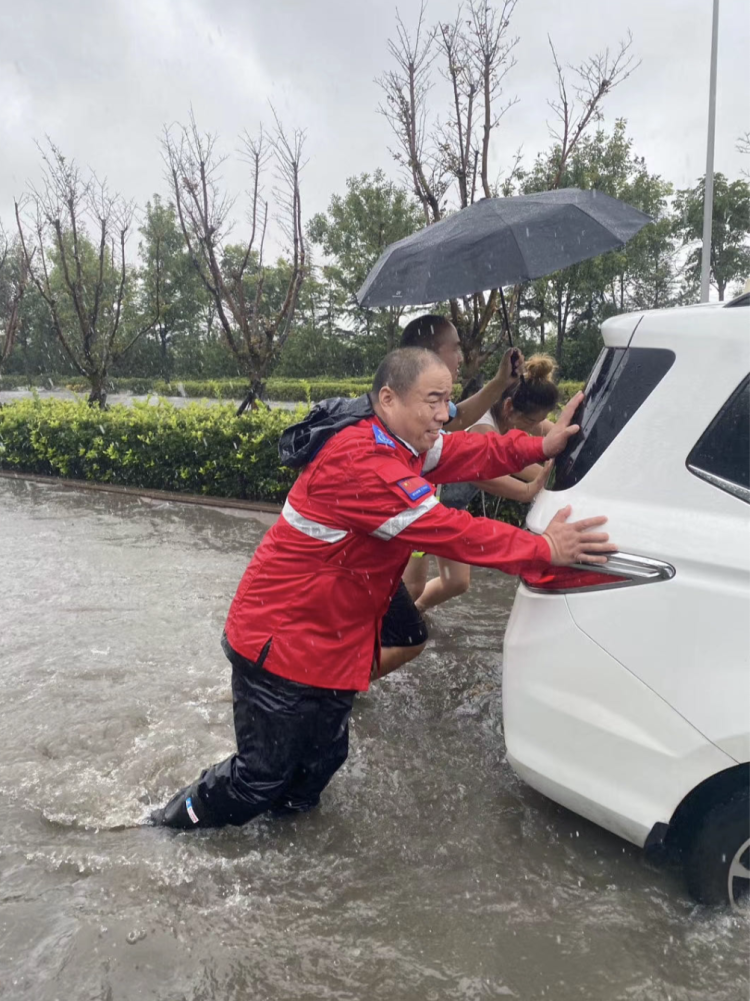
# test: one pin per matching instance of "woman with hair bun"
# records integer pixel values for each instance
(525, 406)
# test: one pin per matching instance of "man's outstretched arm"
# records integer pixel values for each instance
(391, 503)
(465, 458)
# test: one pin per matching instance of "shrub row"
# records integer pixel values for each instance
(568, 388)
(199, 450)
(293, 390)
(194, 449)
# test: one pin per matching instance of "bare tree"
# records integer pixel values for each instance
(475, 54)
(13, 282)
(406, 89)
(594, 78)
(448, 159)
(73, 233)
(253, 329)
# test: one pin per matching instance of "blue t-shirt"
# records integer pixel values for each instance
(452, 410)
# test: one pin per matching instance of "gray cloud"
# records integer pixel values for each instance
(103, 78)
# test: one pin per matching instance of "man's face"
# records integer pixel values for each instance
(419, 415)
(449, 350)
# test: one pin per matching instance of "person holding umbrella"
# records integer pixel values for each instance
(437, 333)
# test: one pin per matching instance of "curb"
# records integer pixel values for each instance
(265, 507)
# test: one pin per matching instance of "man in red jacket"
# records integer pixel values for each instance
(303, 629)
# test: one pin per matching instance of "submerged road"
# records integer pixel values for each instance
(428, 873)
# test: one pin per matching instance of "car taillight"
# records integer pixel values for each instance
(620, 570)
(571, 579)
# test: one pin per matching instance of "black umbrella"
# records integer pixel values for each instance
(499, 241)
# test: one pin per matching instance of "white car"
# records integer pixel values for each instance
(626, 689)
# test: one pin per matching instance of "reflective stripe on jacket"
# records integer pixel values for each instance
(323, 576)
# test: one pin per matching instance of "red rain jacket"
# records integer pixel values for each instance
(321, 580)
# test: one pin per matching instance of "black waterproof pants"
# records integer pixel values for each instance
(291, 739)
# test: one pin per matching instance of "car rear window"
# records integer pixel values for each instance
(621, 380)
(722, 455)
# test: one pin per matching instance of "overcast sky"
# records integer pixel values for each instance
(102, 77)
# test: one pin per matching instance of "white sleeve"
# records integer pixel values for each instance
(488, 419)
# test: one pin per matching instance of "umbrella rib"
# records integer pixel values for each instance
(608, 231)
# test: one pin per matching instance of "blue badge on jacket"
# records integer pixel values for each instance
(414, 487)
(382, 438)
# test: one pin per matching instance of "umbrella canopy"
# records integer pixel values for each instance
(499, 241)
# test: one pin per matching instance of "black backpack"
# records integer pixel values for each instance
(300, 443)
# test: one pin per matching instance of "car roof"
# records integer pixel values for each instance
(679, 322)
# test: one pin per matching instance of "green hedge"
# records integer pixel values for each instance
(568, 388)
(27, 381)
(195, 449)
(292, 390)
(300, 390)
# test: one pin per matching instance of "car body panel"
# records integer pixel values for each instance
(586, 732)
(617, 703)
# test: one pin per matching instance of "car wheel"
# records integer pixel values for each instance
(717, 864)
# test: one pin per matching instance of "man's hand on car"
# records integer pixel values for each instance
(573, 542)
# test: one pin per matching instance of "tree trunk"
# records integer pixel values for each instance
(98, 393)
(541, 325)
(11, 328)
(559, 348)
(472, 381)
(392, 330)
(5, 350)
(165, 366)
(560, 331)
(250, 402)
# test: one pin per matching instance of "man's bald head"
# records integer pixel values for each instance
(401, 368)
(410, 394)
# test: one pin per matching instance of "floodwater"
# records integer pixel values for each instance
(429, 872)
